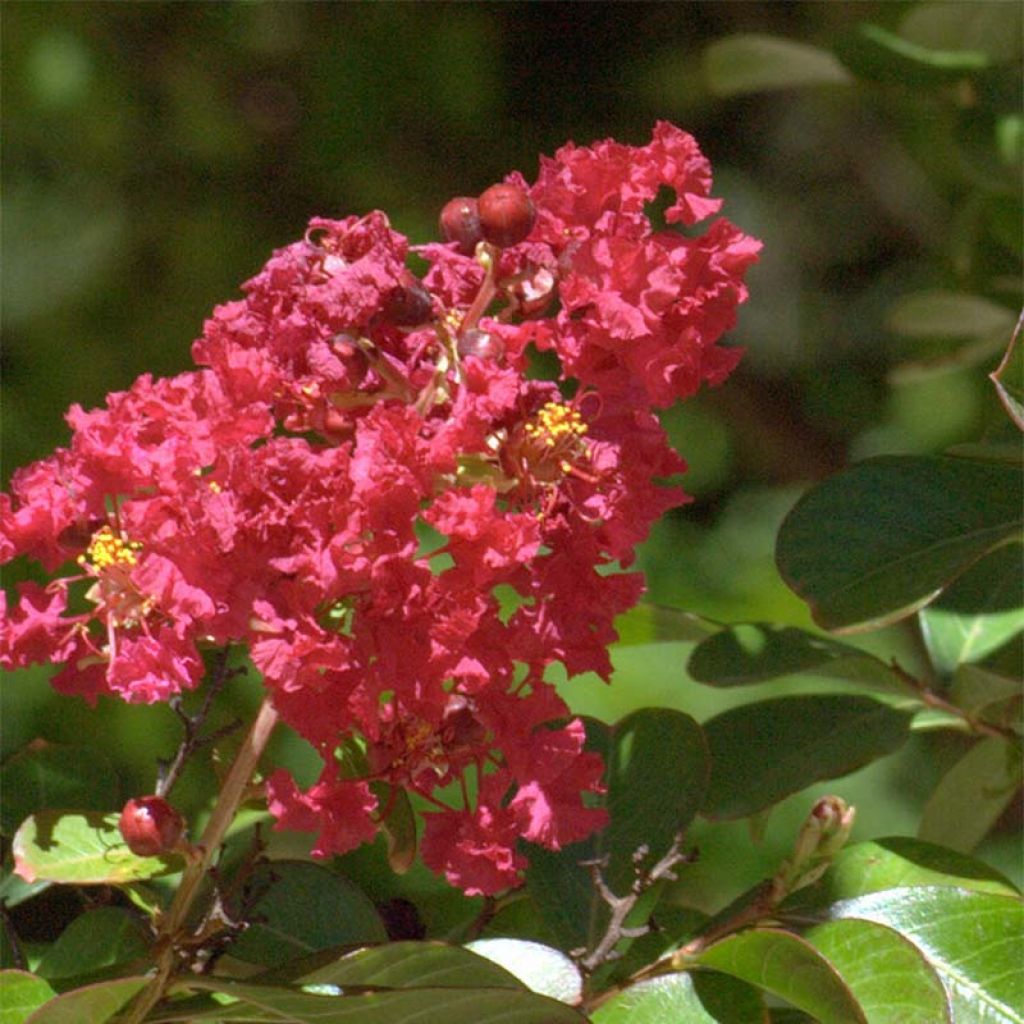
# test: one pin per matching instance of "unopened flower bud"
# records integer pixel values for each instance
(151, 826)
(408, 303)
(481, 344)
(460, 222)
(506, 215)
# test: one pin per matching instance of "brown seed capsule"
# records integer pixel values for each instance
(408, 303)
(506, 214)
(150, 826)
(460, 222)
(475, 342)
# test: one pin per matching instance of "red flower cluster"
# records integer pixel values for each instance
(362, 485)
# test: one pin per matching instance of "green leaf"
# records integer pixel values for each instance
(97, 939)
(981, 611)
(972, 795)
(892, 863)
(540, 968)
(765, 751)
(882, 539)
(985, 694)
(753, 652)
(697, 998)
(888, 976)
(992, 28)
(93, 1003)
(648, 623)
(305, 908)
(398, 1006)
(1008, 378)
(939, 314)
(788, 967)
(974, 940)
(752, 62)
(873, 53)
(412, 965)
(55, 776)
(652, 743)
(20, 994)
(80, 848)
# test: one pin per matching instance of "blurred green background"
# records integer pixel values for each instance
(154, 154)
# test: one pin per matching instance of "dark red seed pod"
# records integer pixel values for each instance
(506, 214)
(408, 303)
(475, 342)
(460, 222)
(150, 826)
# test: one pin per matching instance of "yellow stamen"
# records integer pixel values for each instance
(107, 549)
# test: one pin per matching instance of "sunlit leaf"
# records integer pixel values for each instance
(93, 1003)
(703, 997)
(81, 848)
(973, 940)
(788, 967)
(20, 994)
(765, 751)
(882, 539)
(888, 975)
(540, 968)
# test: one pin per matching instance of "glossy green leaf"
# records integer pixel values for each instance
(20, 994)
(1008, 378)
(648, 623)
(876, 54)
(882, 539)
(93, 1003)
(972, 795)
(648, 744)
(939, 314)
(753, 652)
(753, 63)
(788, 967)
(892, 863)
(55, 776)
(412, 965)
(981, 611)
(973, 940)
(14, 889)
(81, 848)
(398, 1006)
(888, 975)
(540, 968)
(96, 939)
(765, 751)
(704, 997)
(304, 908)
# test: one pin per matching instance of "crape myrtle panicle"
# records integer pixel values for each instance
(361, 485)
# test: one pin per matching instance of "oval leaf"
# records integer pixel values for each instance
(93, 1003)
(973, 940)
(882, 539)
(540, 968)
(96, 939)
(980, 612)
(788, 967)
(304, 908)
(765, 751)
(81, 848)
(972, 795)
(939, 314)
(698, 998)
(752, 63)
(49, 775)
(648, 623)
(20, 994)
(753, 652)
(888, 976)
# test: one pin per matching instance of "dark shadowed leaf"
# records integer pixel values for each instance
(765, 751)
(940, 314)
(93, 1003)
(305, 908)
(788, 967)
(97, 939)
(1008, 378)
(882, 539)
(973, 940)
(888, 975)
(752, 63)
